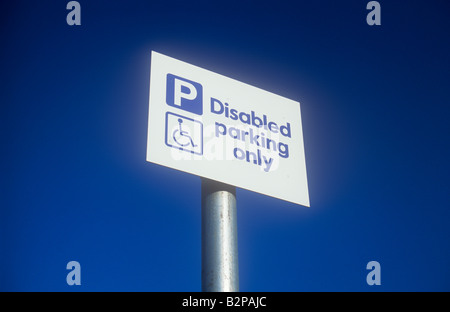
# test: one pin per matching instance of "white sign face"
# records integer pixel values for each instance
(219, 128)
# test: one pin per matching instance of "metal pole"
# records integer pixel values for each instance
(219, 237)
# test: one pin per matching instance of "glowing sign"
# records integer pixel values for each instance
(216, 127)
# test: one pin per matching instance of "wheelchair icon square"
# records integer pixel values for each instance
(184, 133)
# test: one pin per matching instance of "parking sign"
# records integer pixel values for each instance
(216, 127)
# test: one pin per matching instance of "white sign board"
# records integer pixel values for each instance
(219, 128)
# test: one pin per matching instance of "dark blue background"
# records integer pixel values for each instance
(75, 184)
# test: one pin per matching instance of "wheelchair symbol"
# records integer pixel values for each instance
(184, 133)
(181, 137)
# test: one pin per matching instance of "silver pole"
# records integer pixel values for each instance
(219, 237)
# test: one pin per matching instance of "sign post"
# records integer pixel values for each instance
(219, 237)
(231, 134)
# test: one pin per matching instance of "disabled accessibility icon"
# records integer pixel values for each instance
(182, 136)
(184, 133)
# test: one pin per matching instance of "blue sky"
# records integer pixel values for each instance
(75, 185)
